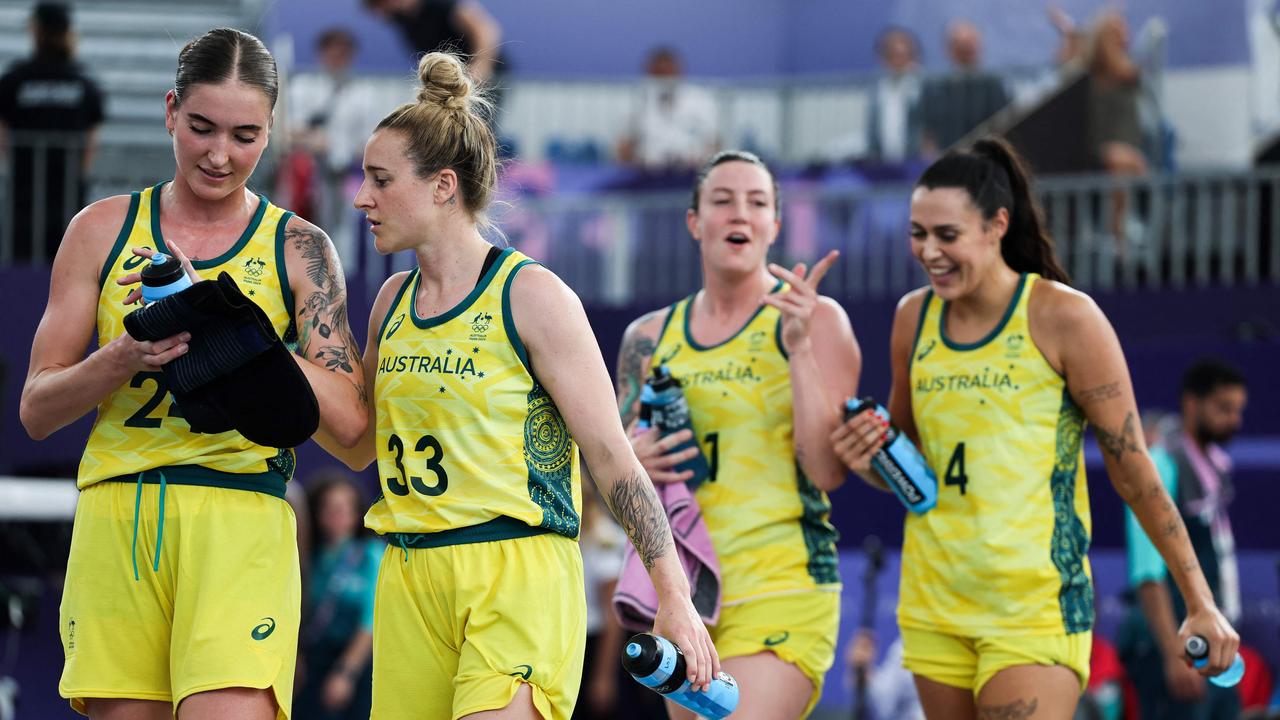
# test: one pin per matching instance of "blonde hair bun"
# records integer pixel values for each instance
(444, 81)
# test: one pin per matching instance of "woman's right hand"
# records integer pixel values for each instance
(656, 453)
(147, 355)
(134, 279)
(857, 439)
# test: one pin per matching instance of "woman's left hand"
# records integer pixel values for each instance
(136, 278)
(798, 303)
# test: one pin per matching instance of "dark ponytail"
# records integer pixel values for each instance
(996, 177)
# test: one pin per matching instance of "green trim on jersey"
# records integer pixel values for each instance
(121, 239)
(688, 335)
(286, 292)
(468, 301)
(214, 262)
(395, 303)
(499, 528)
(270, 482)
(995, 332)
(1070, 544)
(924, 310)
(510, 323)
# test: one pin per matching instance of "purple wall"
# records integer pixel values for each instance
(740, 38)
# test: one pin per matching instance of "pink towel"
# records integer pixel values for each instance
(635, 601)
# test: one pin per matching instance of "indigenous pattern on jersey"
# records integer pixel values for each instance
(768, 523)
(139, 426)
(1006, 549)
(471, 447)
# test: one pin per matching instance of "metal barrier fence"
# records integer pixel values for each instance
(1190, 230)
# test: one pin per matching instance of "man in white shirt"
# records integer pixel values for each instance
(674, 124)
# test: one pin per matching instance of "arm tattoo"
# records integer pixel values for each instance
(1110, 391)
(633, 361)
(1017, 710)
(1118, 443)
(634, 502)
(324, 334)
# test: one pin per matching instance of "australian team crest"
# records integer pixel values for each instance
(254, 268)
(1013, 345)
(480, 325)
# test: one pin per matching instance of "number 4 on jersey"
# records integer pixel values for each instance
(955, 469)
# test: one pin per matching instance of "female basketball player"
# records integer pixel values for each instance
(764, 362)
(997, 365)
(182, 589)
(485, 373)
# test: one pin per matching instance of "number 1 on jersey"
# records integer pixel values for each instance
(713, 462)
(955, 469)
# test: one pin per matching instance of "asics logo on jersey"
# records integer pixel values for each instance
(525, 673)
(263, 630)
(675, 349)
(395, 325)
(928, 349)
(777, 639)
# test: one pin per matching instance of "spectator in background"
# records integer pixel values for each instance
(956, 103)
(674, 124)
(1197, 473)
(337, 623)
(460, 26)
(49, 113)
(890, 688)
(331, 114)
(1115, 133)
(893, 115)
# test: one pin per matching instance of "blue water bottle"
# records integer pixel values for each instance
(1198, 650)
(663, 406)
(162, 277)
(658, 664)
(898, 462)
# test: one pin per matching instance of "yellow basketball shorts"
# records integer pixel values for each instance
(799, 628)
(970, 662)
(457, 628)
(216, 607)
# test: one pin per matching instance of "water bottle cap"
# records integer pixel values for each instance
(1197, 647)
(159, 258)
(633, 650)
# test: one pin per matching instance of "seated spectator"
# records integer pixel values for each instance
(674, 124)
(893, 114)
(1115, 133)
(955, 104)
(330, 116)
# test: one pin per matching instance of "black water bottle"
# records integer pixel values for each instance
(161, 277)
(658, 664)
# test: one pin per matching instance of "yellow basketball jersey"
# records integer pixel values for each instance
(1006, 549)
(768, 523)
(139, 426)
(471, 447)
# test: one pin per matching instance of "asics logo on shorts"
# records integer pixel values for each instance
(264, 629)
(777, 639)
(525, 673)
